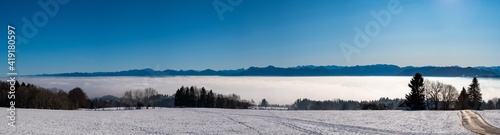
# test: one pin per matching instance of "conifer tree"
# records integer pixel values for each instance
(475, 95)
(178, 95)
(203, 98)
(416, 98)
(211, 99)
(463, 100)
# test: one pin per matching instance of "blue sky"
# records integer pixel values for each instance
(105, 35)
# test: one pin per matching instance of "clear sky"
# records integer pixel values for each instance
(108, 35)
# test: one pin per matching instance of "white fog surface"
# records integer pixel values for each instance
(277, 90)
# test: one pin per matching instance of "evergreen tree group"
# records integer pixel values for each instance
(381, 104)
(196, 97)
(472, 98)
(443, 95)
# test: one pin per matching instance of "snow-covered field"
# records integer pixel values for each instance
(224, 121)
(491, 116)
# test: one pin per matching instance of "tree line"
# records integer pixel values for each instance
(132, 99)
(202, 98)
(381, 104)
(435, 95)
(424, 94)
(492, 104)
(31, 96)
(139, 98)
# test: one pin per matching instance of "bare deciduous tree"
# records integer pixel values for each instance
(139, 98)
(433, 91)
(149, 94)
(449, 95)
(127, 99)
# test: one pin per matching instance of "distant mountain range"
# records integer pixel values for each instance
(310, 70)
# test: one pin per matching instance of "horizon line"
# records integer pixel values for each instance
(261, 67)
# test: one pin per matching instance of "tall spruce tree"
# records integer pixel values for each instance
(463, 100)
(219, 102)
(416, 98)
(203, 101)
(191, 97)
(211, 99)
(475, 95)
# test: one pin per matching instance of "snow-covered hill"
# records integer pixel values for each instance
(224, 121)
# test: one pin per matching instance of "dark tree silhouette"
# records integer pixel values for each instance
(463, 100)
(63, 101)
(498, 104)
(344, 106)
(195, 97)
(219, 103)
(192, 97)
(264, 103)
(490, 104)
(177, 95)
(203, 102)
(78, 98)
(475, 95)
(180, 97)
(381, 104)
(211, 99)
(17, 85)
(373, 106)
(31, 96)
(416, 98)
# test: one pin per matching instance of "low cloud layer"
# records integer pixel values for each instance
(277, 90)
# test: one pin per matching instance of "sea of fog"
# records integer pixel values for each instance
(277, 90)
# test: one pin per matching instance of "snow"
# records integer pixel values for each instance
(491, 116)
(228, 121)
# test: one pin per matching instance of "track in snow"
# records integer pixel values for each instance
(476, 123)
